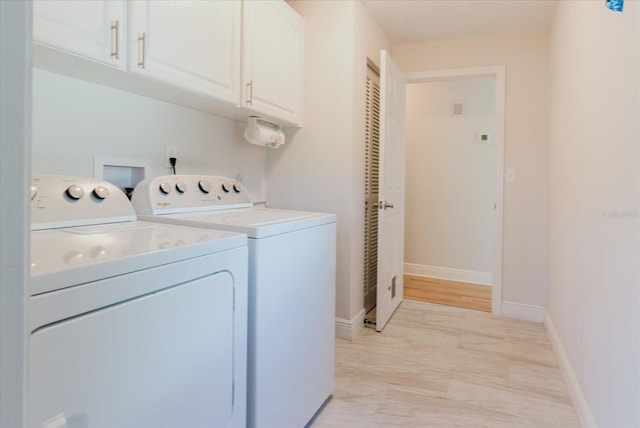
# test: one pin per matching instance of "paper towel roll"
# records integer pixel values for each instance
(264, 133)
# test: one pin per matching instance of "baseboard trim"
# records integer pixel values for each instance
(523, 311)
(349, 329)
(575, 390)
(460, 275)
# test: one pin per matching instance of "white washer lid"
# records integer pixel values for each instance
(256, 222)
(71, 256)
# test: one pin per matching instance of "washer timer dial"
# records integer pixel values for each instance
(181, 187)
(204, 186)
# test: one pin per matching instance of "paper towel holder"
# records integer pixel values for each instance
(255, 132)
(254, 122)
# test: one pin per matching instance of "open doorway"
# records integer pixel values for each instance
(498, 74)
(450, 191)
(455, 157)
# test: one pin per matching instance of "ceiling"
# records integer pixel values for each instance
(412, 21)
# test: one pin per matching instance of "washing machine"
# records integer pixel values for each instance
(292, 269)
(132, 324)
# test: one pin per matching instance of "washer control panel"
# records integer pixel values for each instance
(169, 194)
(65, 201)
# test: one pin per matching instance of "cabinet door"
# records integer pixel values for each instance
(92, 29)
(273, 55)
(191, 44)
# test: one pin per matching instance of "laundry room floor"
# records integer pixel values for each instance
(440, 366)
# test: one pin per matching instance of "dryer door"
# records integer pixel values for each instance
(160, 360)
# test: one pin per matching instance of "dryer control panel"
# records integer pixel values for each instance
(65, 201)
(170, 194)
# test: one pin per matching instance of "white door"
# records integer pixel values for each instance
(391, 193)
(194, 45)
(273, 57)
(92, 29)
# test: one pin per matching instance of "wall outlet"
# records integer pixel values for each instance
(170, 151)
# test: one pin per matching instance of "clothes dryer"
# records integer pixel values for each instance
(132, 324)
(292, 269)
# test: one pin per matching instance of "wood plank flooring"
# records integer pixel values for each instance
(440, 366)
(450, 293)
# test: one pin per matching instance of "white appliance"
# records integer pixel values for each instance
(292, 256)
(133, 324)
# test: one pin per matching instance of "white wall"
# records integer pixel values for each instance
(321, 167)
(450, 175)
(74, 120)
(594, 220)
(15, 117)
(526, 57)
(310, 172)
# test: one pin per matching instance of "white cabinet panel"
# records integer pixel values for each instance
(191, 44)
(273, 51)
(92, 29)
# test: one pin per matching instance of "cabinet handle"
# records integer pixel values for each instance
(250, 92)
(141, 53)
(115, 39)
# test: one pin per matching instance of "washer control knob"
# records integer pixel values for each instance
(34, 192)
(204, 186)
(75, 192)
(236, 188)
(164, 188)
(225, 188)
(181, 187)
(101, 192)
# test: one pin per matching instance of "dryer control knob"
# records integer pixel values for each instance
(101, 192)
(164, 188)
(181, 187)
(236, 188)
(225, 188)
(34, 192)
(204, 186)
(75, 192)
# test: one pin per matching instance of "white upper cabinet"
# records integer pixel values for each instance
(191, 44)
(91, 29)
(273, 55)
(233, 58)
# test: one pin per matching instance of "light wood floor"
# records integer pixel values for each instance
(440, 366)
(450, 293)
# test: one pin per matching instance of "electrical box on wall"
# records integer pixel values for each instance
(124, 173)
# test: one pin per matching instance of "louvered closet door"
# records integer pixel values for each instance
(372, 167)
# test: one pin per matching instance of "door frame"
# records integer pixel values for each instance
(499, 73)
